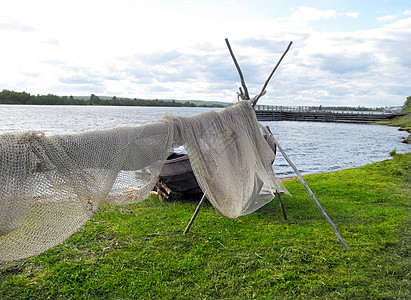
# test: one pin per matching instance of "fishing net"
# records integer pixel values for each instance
(51, 185)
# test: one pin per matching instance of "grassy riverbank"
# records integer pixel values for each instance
(139, 252)
(404, 122)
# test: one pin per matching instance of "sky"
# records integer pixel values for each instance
(344, 52)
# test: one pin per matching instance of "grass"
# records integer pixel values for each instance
(404, 122)
(139, 252)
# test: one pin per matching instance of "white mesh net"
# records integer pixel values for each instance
(50, 186)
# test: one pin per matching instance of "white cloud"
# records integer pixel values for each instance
(304, 14)
(352, 14)
(176, 49)
(386, 18)
(14, 26)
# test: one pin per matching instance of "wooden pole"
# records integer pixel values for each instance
(243, 96)
(273, 147)
(195, 214)
(282, 205)
(271, 75)
(246, 96)
(337, 233)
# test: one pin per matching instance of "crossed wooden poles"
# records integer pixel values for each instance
(273, 143)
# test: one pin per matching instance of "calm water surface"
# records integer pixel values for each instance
(313, 147)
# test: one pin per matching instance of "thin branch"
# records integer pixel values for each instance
(246, 95)
(271, 75)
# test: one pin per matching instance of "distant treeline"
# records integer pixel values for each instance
(11, 97)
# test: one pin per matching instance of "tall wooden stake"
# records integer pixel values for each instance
(282, 205)
(337, 233)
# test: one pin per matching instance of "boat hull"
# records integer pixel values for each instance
(178, 179)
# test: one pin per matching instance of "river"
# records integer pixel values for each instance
(313, 147)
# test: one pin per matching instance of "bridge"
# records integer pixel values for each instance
(319, 114)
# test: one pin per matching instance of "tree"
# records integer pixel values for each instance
(12, 97)
(407, 104)
(94, 99)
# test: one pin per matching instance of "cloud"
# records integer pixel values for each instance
(15, 26)
(303, 15)
(162, 49)
(351, 14)
(192, 72)
(342, 63)
(344, 69)
(389, 43)
(32, 74)
(156, 89)
(79, 77)
(386, 18)
(51, 41)
(160, 58)
(80, 80)
(263, 43)
(54, 62)
(156, 67)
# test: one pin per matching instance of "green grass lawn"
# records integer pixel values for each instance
(139, 251)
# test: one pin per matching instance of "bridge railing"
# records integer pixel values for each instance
(313, 109)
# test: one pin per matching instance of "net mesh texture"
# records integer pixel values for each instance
(51, 185)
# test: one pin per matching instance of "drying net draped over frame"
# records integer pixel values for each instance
(50, 186)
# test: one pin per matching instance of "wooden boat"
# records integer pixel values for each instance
(177, 179)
